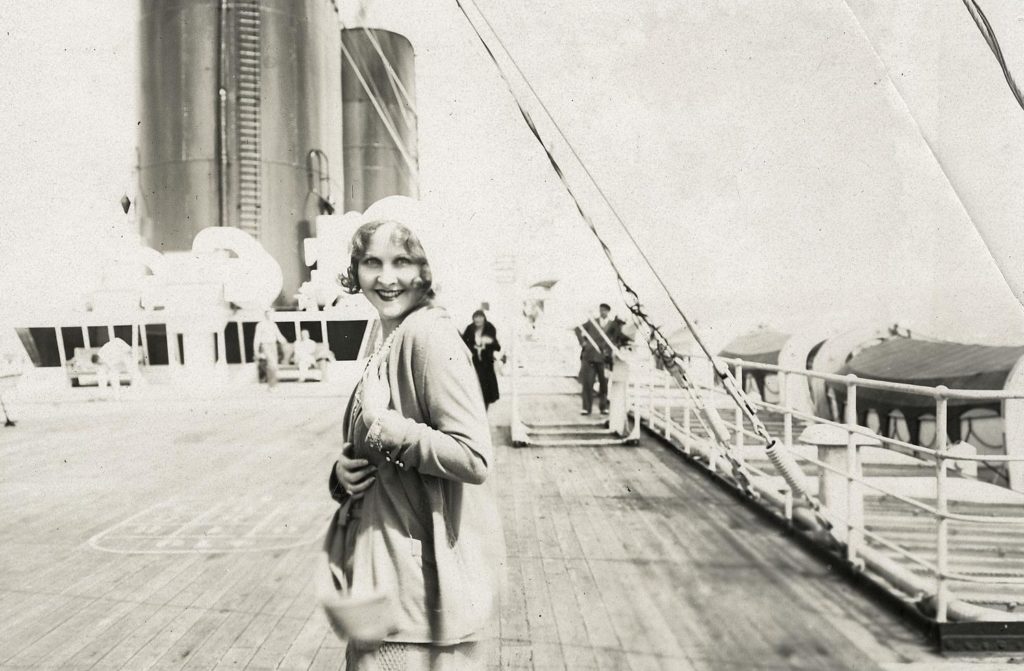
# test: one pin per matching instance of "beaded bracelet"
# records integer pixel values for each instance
(375, 442)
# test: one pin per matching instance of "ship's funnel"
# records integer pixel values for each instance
(240, 102)
(378, 98)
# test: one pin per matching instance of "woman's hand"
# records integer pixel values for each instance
(355, 475)
(376, 391)
(487, 340)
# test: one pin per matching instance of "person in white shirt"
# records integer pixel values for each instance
(305, 354)
(264, 346)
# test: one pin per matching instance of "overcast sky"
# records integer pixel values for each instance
(816, 163)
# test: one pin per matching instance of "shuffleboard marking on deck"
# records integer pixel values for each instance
(197, 526)
(195, 520)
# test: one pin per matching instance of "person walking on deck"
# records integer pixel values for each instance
(264, 344)
(482, 340)
(418, 523)
(595, 336)
(305, 354)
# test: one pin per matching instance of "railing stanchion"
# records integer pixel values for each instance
(941, 506)
(854, 500)
(668, 405)
(650, 398)
(739, 411)
(787, 417)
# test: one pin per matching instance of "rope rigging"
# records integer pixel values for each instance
(661, 346)
(711, 422)
(990, 38)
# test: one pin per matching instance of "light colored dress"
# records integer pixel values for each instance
(429, 530)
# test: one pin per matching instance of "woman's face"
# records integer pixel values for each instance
(478, 321)
(388, 275)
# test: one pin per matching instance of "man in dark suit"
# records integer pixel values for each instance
(595, 337)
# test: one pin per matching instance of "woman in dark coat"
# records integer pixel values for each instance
(482, 340)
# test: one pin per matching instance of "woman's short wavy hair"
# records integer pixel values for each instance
(401, 236)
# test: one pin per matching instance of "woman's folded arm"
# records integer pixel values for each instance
(456, 445)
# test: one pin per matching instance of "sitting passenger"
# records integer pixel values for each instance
(114, 358)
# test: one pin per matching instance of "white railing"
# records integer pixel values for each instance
(654, 395)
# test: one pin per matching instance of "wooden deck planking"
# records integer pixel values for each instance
(177, 654)
(154, 648)
(328, 658)
(614, 503)
(302, 649)
(122, 649)
(601, 633)
(212, 650)
(51, 649)
(94, 649)
(269, 603)
(619, 557)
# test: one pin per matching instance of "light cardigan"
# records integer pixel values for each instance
(429, 531)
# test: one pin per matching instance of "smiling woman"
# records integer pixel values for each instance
(417, 528)
(389, 266)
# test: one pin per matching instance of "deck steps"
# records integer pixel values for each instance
(562, 434)
(565, 431)
(576, 442)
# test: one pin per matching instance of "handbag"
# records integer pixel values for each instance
(367, 618)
